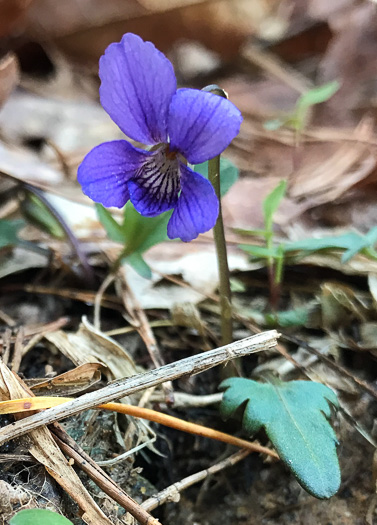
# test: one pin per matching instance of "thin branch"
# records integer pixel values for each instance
(172, 493)
(42, 402)
(123, 387)
(101, 479)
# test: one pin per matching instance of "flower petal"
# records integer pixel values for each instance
(197, 208)
(137, 84)
(155, 187)
(105, 171)
(201, 124)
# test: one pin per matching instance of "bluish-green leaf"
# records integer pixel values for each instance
(295, 416)
(228, 173)
(271, 203)
(38, 517)
(8, 232)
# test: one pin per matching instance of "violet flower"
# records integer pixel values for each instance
(139, 92)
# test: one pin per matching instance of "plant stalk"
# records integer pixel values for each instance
(222, 258)
(220, 243)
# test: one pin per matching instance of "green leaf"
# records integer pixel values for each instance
(352, 242)
(366, 241)
(297, 317)
(141, 233)
(136, 233)
(260, 251)
(39, 214)
(9, 231)
(346, 241)
(112, 227)
(39, 517)
(318, 94)
(271, 203)
(295, 416)
(228, 174)
(273, 124)
(138, 264)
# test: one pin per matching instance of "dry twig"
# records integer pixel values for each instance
(117, 389)
(172, 493)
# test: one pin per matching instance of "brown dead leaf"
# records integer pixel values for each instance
(89, 345)
(330, 178)
(45, 450)
(76, 380)
(221, 25)
(12, 14)
(9, 76)
(351, 59)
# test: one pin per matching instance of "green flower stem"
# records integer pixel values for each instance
(220, 243)
(222, 258)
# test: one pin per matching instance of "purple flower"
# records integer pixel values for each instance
(139, 92)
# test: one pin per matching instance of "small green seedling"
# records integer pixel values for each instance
(138, 233)
(295, 416)
(38, 517)
(273, 254)
(277, 255)
(299, 116)
(350, 243)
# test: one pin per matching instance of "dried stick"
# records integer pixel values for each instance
(100, 478)
(33, 403)
(123, 387)
(141, 323)
(172, 493)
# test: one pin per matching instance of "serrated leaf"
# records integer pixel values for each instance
(271, 203)
(39, 517)
(228, 173)
(295, 416)
(9, 231)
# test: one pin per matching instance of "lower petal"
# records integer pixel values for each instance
(197, 208)
(155, 187)
(105, 171)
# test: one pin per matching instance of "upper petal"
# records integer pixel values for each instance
(201, 124)
(197, 208)
(155, 187)
(105, 171)
(137, 84)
